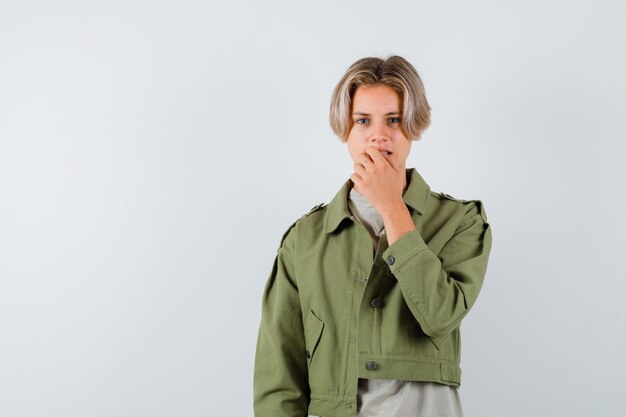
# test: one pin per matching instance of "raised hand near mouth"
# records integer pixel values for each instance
(382, 181)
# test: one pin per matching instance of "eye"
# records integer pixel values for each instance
(361, 121)
(394, 120)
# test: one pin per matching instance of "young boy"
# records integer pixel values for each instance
(361, 311)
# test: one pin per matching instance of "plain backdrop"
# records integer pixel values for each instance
(152, 153)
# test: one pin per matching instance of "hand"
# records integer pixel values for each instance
(379, 181)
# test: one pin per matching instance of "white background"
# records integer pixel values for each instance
(152, 153)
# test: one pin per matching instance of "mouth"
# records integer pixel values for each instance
(385, 152)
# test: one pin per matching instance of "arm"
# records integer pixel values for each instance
(280, 372)
(441, 289)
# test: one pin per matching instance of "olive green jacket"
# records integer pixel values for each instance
(331, 314)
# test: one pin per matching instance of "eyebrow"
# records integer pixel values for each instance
(358, 113)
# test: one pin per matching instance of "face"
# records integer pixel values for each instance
(376, 115)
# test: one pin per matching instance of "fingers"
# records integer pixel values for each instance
(362, 164)
(375, 154)
(360, 170)
(366, 163)
(369, 162)
(364, 159)
(377, 157)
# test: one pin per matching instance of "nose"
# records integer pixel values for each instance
(379, 132)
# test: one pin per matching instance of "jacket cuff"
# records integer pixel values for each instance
(403, 249)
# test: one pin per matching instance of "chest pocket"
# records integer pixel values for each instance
(313, 328)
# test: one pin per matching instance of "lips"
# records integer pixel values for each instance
(385, 152)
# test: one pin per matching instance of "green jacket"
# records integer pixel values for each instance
(331, 314)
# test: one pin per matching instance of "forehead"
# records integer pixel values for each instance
(376, 98)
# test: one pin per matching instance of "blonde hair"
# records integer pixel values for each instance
(395, 72)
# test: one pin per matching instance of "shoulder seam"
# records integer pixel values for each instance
(481, 211)
(449, 197)
(314, 209)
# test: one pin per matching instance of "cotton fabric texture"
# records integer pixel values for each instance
(333, 313)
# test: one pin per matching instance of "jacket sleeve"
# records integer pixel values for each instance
(281, 386)
(440, 290)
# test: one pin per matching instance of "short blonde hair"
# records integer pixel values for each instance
(395, 72)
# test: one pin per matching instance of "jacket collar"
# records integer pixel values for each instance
(415, 197)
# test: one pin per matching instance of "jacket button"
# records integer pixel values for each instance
(391, 260)
(308, 354)
(375, 302)
(371, 365)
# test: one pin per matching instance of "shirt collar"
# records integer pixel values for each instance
(415, 197)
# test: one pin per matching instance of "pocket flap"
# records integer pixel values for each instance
(313, 328)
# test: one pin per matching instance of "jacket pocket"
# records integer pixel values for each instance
(313, 328)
